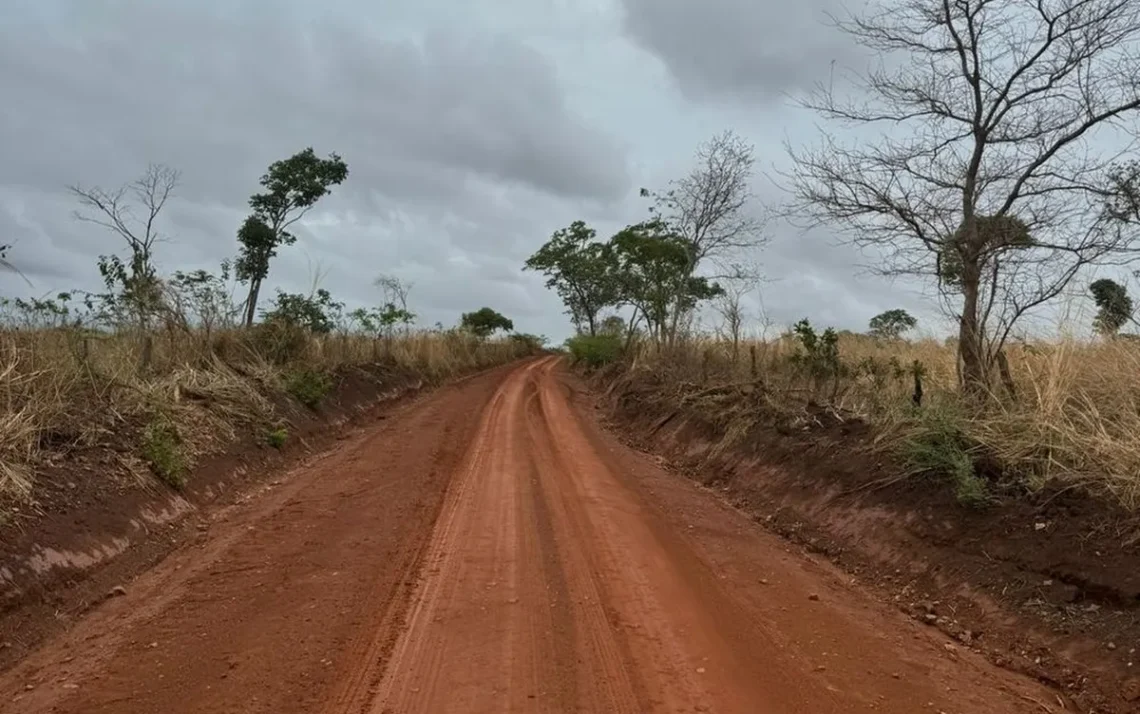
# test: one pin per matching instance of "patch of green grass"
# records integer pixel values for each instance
(308, 386)
(277, 437)
(162, 450)
(937, 445)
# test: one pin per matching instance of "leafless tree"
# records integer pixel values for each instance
(395, 290)
(113, 210)
(991, 179)
(728, 306)
(712, 207)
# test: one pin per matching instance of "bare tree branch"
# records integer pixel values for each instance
(112, 210)
(713, 209)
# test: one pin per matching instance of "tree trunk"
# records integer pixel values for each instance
(631, 330)
(971, 339)
(251, 302)
(1006, 374)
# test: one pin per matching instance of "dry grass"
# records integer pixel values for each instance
(65, 390)
(1074, 419)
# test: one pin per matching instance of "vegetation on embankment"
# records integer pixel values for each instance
(1070, 416)
(65, 390)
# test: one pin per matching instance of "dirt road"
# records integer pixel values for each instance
(489, 548)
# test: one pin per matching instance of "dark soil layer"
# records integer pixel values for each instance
(1047, 584)
(94, 526)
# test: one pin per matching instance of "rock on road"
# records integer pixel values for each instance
(490, 548)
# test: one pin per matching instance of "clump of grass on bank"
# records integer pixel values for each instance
(65, 389)
(277, 437)
(1073, 420)
(162, 450)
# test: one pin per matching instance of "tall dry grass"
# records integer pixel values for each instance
(64, 389)
(1073, 420)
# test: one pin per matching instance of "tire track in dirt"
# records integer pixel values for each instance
(481, 636)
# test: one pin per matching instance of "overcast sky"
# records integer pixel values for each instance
(472, 130)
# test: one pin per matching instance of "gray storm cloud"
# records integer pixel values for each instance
(472, 131)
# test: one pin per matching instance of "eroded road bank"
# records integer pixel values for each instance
(489, 548)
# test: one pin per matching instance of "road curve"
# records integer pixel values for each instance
(490, 548)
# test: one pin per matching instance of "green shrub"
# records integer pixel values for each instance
(937, 445)
(277, 437)
(818, 352)
(162, 450)
(596, 350)
(308, 386)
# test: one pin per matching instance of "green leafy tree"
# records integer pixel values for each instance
(891, 324)
(654, 275)
(292, 187)
(1114, 306)
(580, 270)
(382, 322)
(485, 322)
(318, 313)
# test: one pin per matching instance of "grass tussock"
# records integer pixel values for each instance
(67, 389)
(1073, 418)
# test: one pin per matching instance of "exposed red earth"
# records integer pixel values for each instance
(489, 547)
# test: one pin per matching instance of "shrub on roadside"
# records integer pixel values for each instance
(594, 351)
(308, 386)
(277, 437)
(935, 443)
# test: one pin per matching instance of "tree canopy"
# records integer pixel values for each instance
(1114, 306)
(580, 270)
(891, 324)
(653, 269)
(485, 322)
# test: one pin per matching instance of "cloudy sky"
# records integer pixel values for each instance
(472, 130)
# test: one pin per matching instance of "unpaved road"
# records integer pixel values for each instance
(489, 548)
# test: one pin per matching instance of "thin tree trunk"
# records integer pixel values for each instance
(1006, 374)
(251, 302)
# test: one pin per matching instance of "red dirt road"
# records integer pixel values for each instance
(489, 548)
